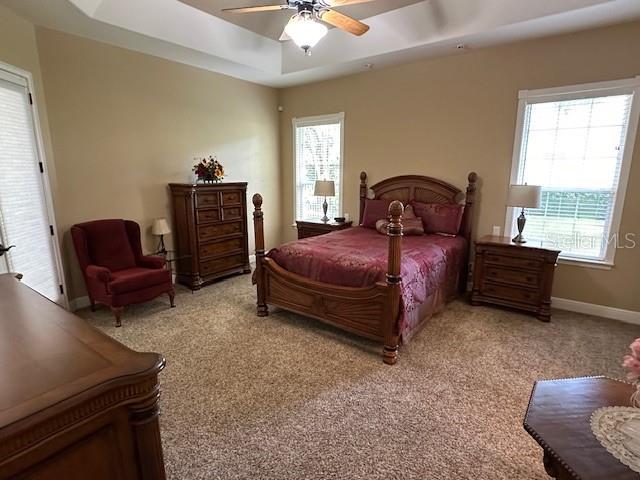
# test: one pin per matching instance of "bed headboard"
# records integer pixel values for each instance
(427, 190)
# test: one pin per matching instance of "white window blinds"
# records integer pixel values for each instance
(23, 218)
(318, 156)
(575, 149)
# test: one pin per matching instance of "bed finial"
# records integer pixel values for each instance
(473, 178)
(257, 201)
(363, 193)
(396, 209)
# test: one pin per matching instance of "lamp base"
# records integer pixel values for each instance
(162, 250)
(325, 207)
(518, 239)
(521, 222)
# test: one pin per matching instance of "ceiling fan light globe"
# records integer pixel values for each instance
(305, 31)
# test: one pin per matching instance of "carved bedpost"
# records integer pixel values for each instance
(259, 280)
(467, 228)
(391, 331)
(363, 194)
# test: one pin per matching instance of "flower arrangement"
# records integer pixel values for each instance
(632, 364)
(209, 169)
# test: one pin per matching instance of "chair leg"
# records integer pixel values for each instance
(93, 305)
(172, 296)
(117, 312)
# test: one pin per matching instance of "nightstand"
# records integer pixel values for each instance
(313, 228)
(514, 275)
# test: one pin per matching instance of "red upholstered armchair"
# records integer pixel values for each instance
(115, 271)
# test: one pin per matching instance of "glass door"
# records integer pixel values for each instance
(25, 217)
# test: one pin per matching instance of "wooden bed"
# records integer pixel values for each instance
(372, 311)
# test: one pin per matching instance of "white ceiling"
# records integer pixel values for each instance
(176, 30)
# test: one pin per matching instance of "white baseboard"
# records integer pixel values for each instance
(78, 303)
(628, 316)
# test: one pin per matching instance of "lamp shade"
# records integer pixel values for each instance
(160, 227)
(325, 188)
(304, 30)
(524, 196)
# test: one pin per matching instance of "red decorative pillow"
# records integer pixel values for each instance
(374, 210)
(440, 217)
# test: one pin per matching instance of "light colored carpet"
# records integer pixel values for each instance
(285, 397)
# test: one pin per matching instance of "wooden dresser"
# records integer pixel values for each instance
(210, 235)
(74, 403)
(313, 228)
(514, 275)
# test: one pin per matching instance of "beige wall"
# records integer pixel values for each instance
(125, 124)
(18, 48)
(445, 117)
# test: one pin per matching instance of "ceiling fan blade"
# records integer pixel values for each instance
(259, 8)
(343, 3)
(344, 22)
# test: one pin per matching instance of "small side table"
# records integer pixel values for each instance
(558, 418)
(514, 275)
(171, 258)
(313, 228)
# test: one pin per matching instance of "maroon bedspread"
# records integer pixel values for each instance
(357, 257)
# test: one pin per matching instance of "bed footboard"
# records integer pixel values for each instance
(371, 312)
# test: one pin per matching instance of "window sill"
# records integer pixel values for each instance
(597, 264)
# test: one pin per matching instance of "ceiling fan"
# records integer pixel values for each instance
(303, 27)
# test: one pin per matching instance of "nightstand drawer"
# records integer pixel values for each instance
(212, 232)
(206, 200)
(231, 198)
(232, 213)
(493, 258)
(208, 216)
(519, 277)
(221, 264)
(505, 292)
(220, 248)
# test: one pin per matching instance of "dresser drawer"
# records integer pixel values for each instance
(208, 216)
(514, 262)
(221, 264)
(519, 277)
(232, 213)
(207, 200)
(514, 294)
(231, 198)
(220, 248)
(211, 232)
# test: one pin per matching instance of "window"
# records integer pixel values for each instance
(318, 147)
(577, 143)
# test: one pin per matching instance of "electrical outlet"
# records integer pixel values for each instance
(496, 231)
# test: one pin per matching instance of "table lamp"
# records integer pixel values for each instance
(523, 196)
(325, 188)
(160, 228)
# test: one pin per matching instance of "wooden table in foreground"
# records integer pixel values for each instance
(74, 403)
(558, 418)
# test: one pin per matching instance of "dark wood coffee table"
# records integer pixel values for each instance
(558, 418)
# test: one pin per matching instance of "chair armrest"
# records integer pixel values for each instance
(152, 261)
(101, 273)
